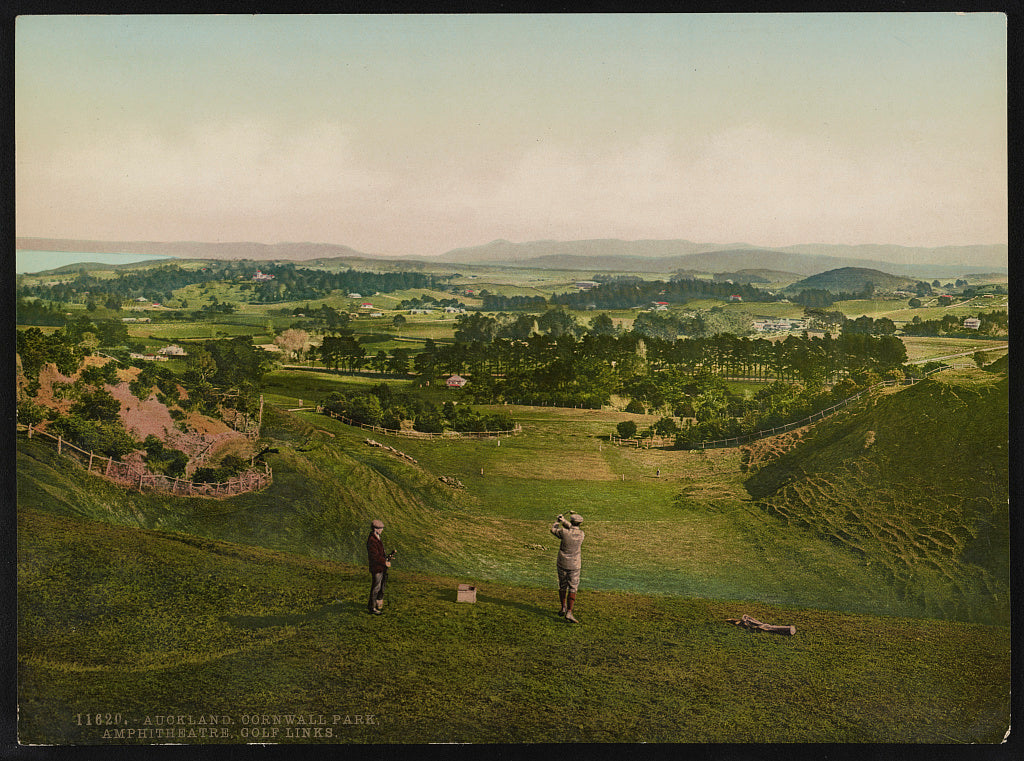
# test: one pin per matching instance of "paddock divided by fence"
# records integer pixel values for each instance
(142, 479)
(651, 442)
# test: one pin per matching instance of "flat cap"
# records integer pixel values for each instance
(377, 523)
(575, 518)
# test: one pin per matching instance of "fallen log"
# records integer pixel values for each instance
(752, 624)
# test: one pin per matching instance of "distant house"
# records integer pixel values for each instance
(355, 295)
(420, 311)
(141, 299)
(376, 314)
(260, 276)
(735, 297)
(454, 310)
(972, 322)
(456, 381)
(366, 305)
(172, 351)
(148, 357)
(135, 319)
(586, 285)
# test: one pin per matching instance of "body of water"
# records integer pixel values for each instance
(40, 261)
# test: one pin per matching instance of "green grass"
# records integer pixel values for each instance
(933, 347)
(871, 307)
(228, 607)
(144, 623)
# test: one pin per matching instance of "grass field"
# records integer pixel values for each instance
(140, 624)
(933, 347)
(882, 535)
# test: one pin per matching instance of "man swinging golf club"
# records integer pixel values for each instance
(568, 565)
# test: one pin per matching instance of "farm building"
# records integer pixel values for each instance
(456, 381)
(173, 350)
(973, 323)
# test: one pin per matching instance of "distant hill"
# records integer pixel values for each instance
(655, 256)
(756, 276)
(994, 255)
(195, 249)
(850, 280)
(672, 255)
(607, 250)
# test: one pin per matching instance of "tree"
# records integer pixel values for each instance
(914, 303)
(201, 363)
(626, 429)
(602, 325)
(293, 341)
(665, 426)
(398, 362)
(97, 404)
(399, 322)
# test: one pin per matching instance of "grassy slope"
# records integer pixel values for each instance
(143, 623)
(691, 532)
(918, 486)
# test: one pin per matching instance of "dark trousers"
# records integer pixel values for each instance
(377, 583)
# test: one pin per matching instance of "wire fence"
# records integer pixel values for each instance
(422, 434)
(650, 442)
(142, 479)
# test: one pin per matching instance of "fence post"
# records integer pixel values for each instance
(30, 432)
(60, 441)
(90, 462)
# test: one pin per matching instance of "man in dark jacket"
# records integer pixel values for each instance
(379, 564)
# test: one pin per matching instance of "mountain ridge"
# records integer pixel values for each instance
(596, 254)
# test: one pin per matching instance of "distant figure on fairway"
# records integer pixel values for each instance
(569, 562)
(379, 564)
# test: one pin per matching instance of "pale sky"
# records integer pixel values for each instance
(413, 135)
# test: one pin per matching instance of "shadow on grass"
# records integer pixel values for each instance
(329, 610)
(451, 595)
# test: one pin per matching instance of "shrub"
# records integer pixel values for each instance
(109, 438)
(626, 429)
(29, 412)
(635, 407)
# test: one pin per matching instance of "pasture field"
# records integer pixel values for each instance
(201, 330)
(869, 307)
(931, 310)
(922, 348)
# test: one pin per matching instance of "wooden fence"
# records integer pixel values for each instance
(423, 434)
(135, 477)
(735, 441)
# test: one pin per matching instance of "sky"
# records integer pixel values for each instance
(414, 135)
